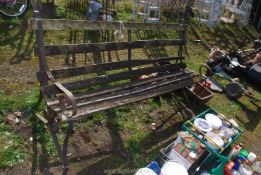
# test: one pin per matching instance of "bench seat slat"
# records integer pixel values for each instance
(116, 89)
(81, 84)
(106, 46)
(132, 91)
(96, 68)
(84, 111)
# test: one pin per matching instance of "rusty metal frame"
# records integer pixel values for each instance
(61, 148)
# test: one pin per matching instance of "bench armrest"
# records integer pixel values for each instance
(66, 100)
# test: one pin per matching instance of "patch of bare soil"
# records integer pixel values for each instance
(18, 77)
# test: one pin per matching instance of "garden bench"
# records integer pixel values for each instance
(116, 83)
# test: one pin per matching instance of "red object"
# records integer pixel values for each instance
(207, 84)
(229, 166)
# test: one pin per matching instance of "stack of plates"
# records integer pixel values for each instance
(218, 141)
(213, 120)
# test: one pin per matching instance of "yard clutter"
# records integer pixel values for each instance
(242, 162)
(201, 91)
(226, 66)
(199, 147)
(203, 147)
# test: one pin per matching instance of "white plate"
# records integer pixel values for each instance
(203, 125)
(214, 120)
(215, 138)
(145, 171)
(172, 167)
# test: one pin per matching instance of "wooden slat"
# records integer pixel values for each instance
(80, 84)
(132, 90)
(67, 24)
(96, 107)
(106, 46)
(116, 88)
(95, 68)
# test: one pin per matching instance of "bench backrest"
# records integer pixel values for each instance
(105, 72)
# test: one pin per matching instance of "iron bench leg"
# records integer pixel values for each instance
(61, 149)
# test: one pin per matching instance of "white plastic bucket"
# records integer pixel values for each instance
(173, 168)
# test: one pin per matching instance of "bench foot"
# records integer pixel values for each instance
(61, 148)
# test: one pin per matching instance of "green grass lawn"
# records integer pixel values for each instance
(131, 120)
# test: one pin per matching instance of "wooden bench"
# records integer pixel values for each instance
(116, 83)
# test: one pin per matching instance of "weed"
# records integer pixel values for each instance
(61, 11)
(12, 148)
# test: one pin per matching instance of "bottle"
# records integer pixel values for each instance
(252, 157)
(235, 151)
(244, 153)
(229, 167)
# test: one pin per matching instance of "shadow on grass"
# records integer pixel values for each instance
(253, 116)
(154, 52)
(17, 39)
(224, 36)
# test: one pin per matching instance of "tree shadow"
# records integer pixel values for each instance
(15, 36)
(23, 52)
(226, 37)
(154, 52)
(253, 116)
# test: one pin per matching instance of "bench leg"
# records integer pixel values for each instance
(186, 112)
(39, 101)
(62, 149)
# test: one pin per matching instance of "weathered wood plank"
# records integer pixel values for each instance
(96, 107)
(116, 88)
(106, 46)
(67, 24)
(132, 90)
(95, 68)
(80, 84)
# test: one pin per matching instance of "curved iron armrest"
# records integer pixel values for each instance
(67, 99)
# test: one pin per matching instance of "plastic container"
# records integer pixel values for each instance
(200, 92)
(228, 168)
(244, 153)
(154, 166)
(239, 160)
(252, 157)
(235, 151)
(245, 170)
(257, 166)
(234, 172)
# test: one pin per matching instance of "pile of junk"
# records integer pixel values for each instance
(234, 63)
(205, 146)
(232, 67)
(206, 143)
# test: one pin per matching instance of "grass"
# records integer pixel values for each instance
(13, 150)
(131, 120)
(12, 147)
